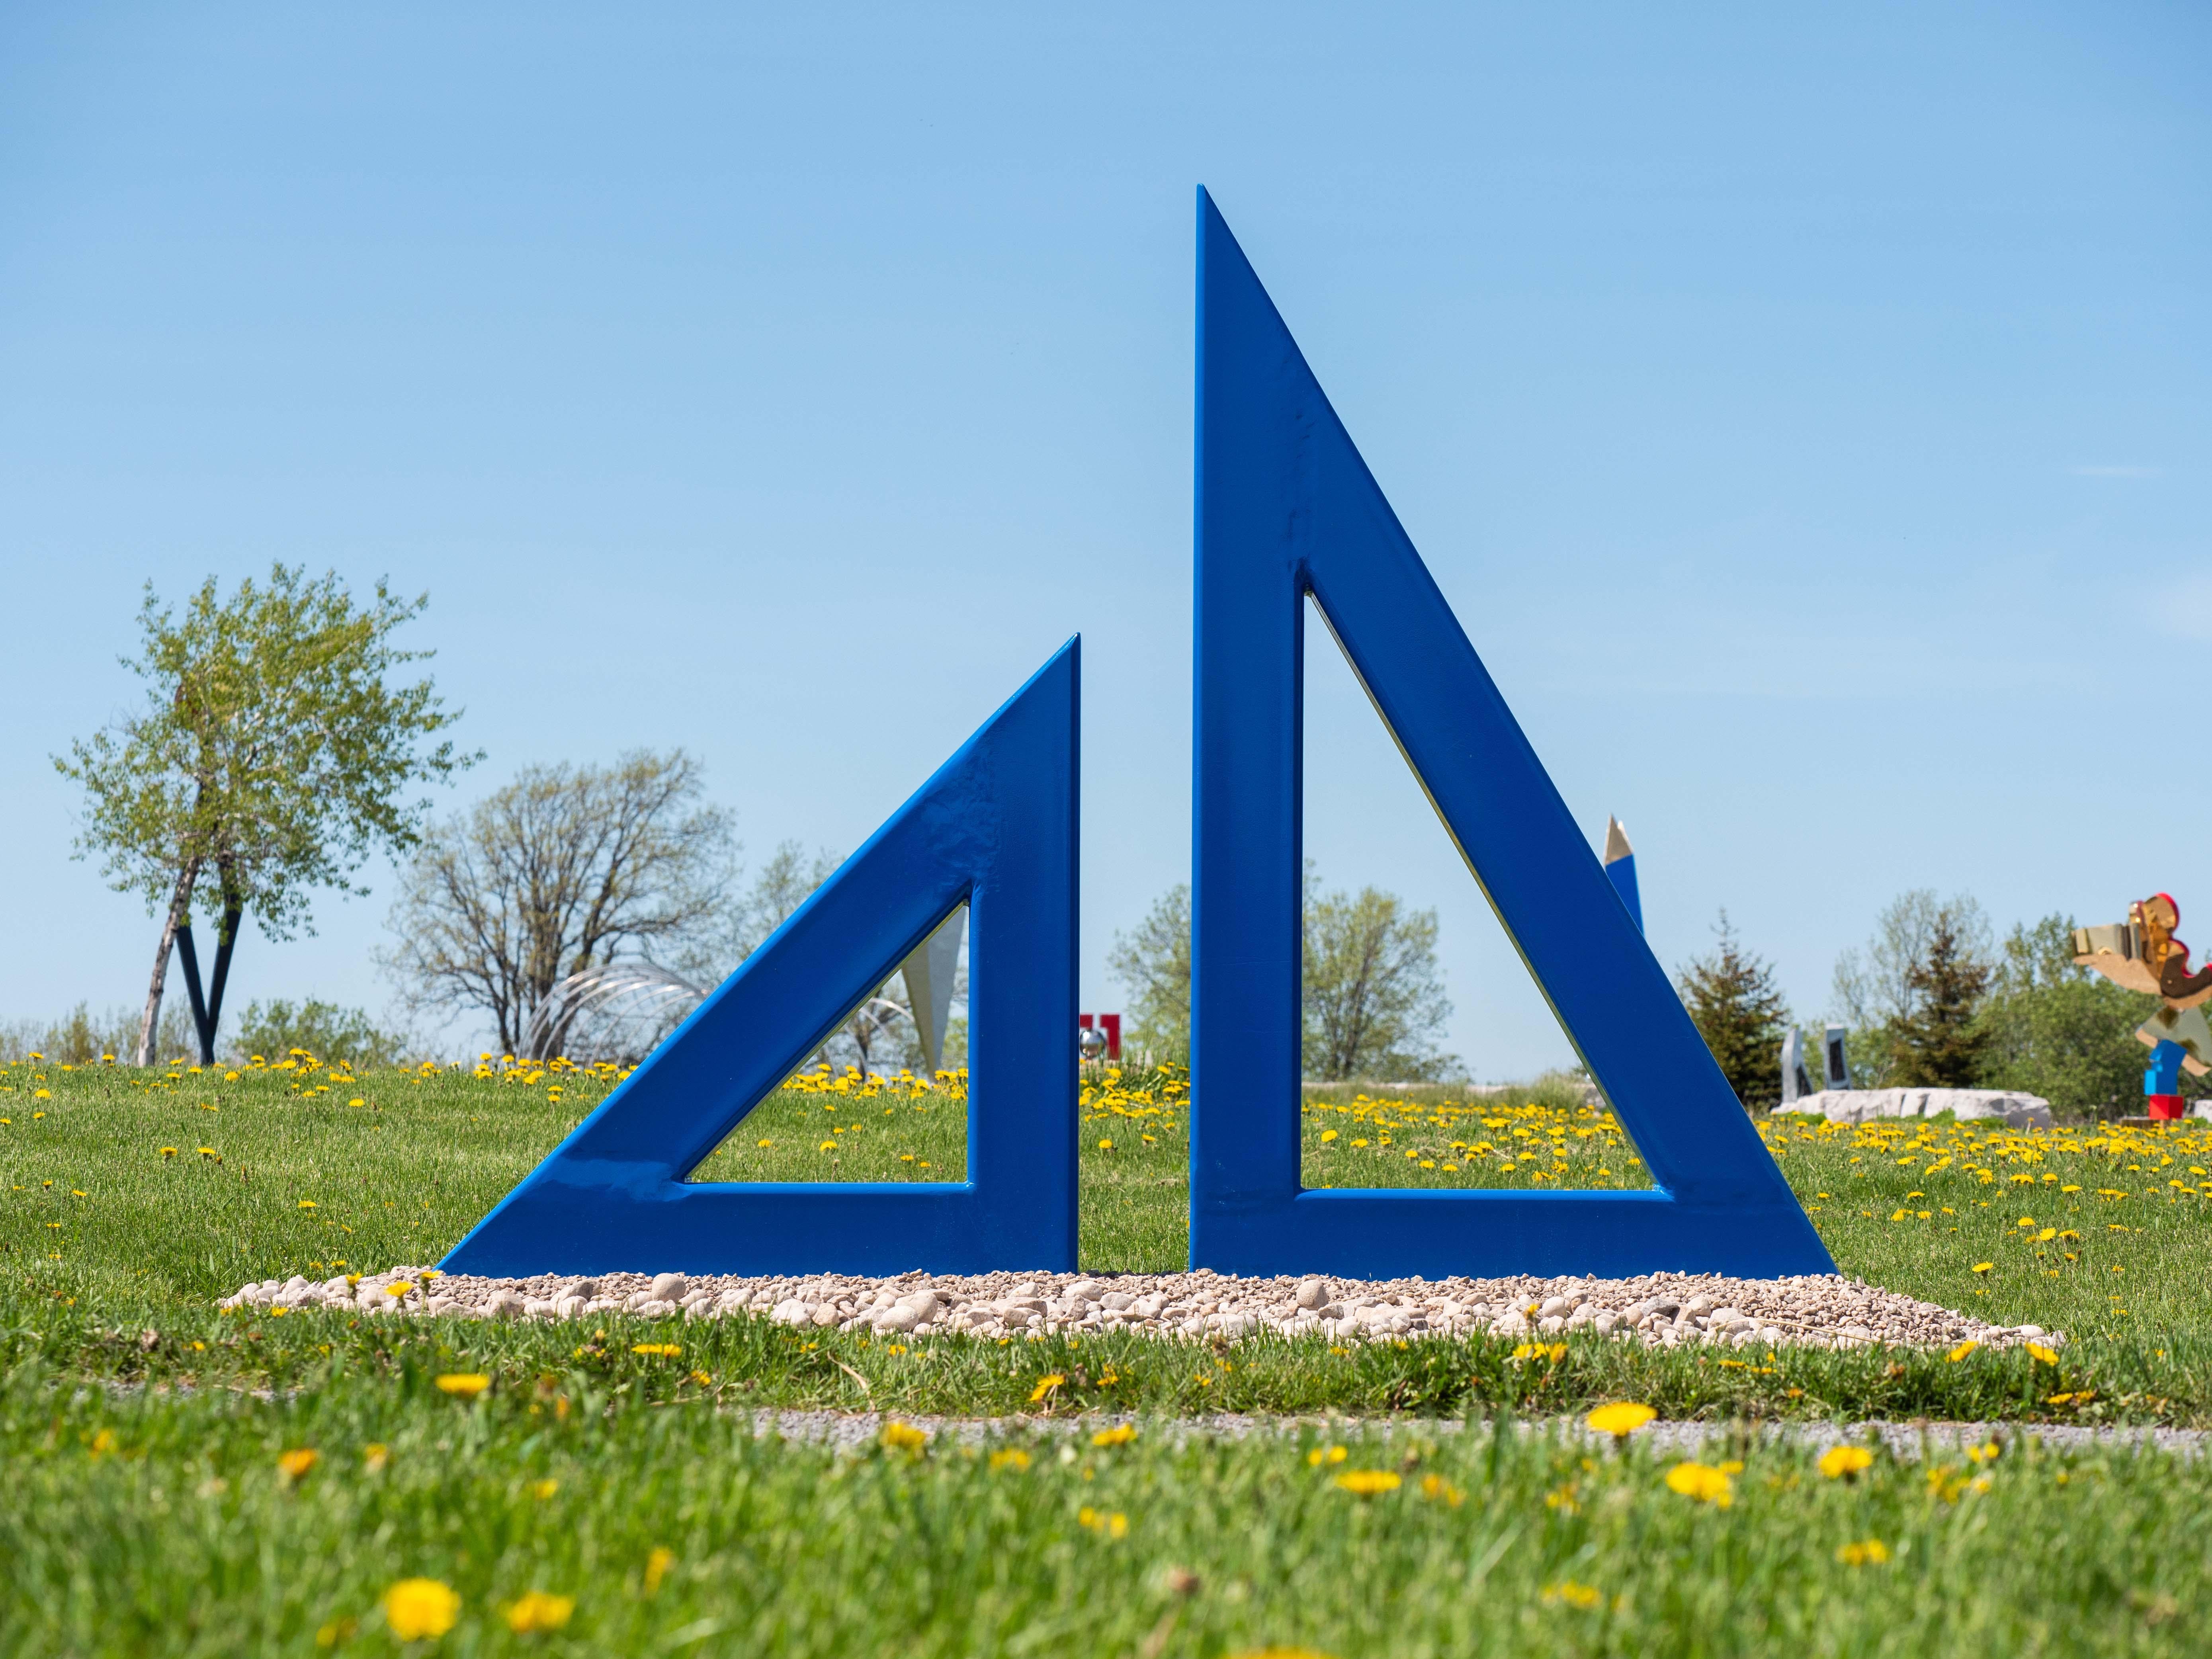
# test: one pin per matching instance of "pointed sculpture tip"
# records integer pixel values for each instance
(1616, 840)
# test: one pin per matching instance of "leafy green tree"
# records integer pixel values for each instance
(329, 1032)
(2061, 1031)
(1940, 1042)
(1154, 963)
(1741, 1012)
(269, 760)
(1375, 998)
(1373, 993)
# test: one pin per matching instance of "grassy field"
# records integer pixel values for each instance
(135, 1198)
(549, 1518)
(171, 1508)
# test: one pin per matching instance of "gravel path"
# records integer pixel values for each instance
(1660, 1310)
(1910, 1441)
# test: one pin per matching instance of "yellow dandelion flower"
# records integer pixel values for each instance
(1120, 1435)
(294, 1464)
(417, 1609)
(1838, 1462)
(1701, 1483)
(2037, 1351)
(1113, 1525)
(1569, 1594)
(465, 1385)
(541, 1490)
(903, 1437)
(1870, 1553)
(535, 1611)
(1321, 1455)
(656, 1568)
(1620, 1418)
(1368, 1483)
(1014, 1457)
(1046, 1385)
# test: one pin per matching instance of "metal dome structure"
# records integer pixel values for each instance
(618, 1013)
(622, 1011)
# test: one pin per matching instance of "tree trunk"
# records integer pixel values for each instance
(181, 904)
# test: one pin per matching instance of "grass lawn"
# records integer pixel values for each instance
(152, 1515)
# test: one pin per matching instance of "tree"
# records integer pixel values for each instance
(269, 759)
(1741, 1012)
(1154, 963)
(562, 870)
(324, 1030)
(1374, 995)
(1939, 1043)
(2061, 1031)
(1874, 993)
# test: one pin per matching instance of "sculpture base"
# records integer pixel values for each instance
(2019, 1111)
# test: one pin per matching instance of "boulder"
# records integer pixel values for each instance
(2019, 1111)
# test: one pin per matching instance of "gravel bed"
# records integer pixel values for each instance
(1659, 1309)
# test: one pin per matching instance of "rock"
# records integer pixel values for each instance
(1117, 1301)
(1313, 1293)
(670, 1287)
(657, 1309)
(1086, 1290)
(570, 1307)
(503, 1304)
(792, 1312)
(2018, 1110)
(586, 1288)
(1551, 1325)
(1553, 1307)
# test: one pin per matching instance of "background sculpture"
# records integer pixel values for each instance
(2142, 954)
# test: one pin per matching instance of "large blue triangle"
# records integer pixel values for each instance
(996, 826)
(1286, 508)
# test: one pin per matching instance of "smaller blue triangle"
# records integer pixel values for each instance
(996, 827)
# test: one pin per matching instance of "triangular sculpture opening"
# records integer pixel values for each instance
(995, 829)
(1286, 508)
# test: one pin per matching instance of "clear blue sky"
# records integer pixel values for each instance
(1805, 409)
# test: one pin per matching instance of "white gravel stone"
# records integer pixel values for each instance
(1657, 1309)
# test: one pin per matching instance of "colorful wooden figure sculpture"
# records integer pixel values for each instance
(2143, 954)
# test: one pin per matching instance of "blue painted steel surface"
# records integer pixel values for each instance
(2163, 1075)
(1621, 872)
(995, 827)
(1286, 507)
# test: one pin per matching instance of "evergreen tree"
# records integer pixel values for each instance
(1941, 1043)
(1740, 1011)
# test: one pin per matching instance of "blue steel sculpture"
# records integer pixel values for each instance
(1286, 509)
(1620, 869)
(995, 829)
